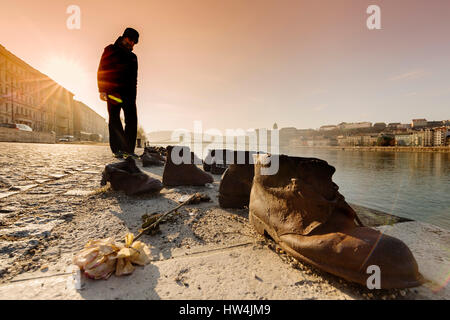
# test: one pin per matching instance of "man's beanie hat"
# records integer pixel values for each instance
(132, 34)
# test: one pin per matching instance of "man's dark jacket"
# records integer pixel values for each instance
(117, 72)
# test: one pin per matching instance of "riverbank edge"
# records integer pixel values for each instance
(445, 149)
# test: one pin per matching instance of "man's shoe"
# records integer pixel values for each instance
(179, 173)
(118, 155)
(132, 155)
(126, 176)
(301, 209)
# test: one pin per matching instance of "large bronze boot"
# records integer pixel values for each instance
(126, 176)
(184, 171)
(236, 182)
(301, 209)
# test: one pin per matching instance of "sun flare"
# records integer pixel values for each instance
(66, 71)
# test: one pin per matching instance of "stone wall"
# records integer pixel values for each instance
(14, 135)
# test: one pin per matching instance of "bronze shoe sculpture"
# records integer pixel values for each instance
(208, 160)
(300, 208)
(126, 176)
(236, 182)
(149, 160)
(152, 157)
(157, 152)
(183, 170)
(215, 161)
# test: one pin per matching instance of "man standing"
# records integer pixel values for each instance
(117, 82)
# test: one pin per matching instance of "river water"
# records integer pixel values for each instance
(413, 185)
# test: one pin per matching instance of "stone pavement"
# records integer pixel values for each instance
(39, 184)
(52, 205)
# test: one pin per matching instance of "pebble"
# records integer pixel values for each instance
(256, 277)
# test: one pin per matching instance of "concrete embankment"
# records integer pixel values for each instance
(14, 135)
(389, 149)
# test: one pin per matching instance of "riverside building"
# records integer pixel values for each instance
(30, 97)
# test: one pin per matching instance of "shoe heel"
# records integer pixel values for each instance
(256, 223)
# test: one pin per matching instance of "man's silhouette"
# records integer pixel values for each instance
(117, 82)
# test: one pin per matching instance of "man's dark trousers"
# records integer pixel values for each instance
(120, 139)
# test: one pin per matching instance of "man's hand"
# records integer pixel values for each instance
(103, 96)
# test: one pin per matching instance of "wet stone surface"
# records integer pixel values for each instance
(42, 187)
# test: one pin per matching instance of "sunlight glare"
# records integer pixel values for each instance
(67, 72)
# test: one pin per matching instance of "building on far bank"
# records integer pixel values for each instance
(434, 124)
(419, 123)
(287, 134)
(365, 140)
(356, 125)
(393, 125)
(440, 136)
(404, 139)
(379, 126)
(423, 138)
(328, 128)
(404, 126)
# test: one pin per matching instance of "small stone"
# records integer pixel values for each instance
(256, 277)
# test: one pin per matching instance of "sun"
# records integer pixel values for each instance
(67, 72)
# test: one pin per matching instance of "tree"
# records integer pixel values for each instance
(141, 133)
(385, 141)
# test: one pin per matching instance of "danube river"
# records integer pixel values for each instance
(413, 185)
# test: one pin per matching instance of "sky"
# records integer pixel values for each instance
(249, 63)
